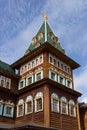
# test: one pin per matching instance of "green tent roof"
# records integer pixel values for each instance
(45, 34)
(4, 66)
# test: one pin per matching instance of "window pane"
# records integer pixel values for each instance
(8, 110)
(54, 62)
(52, 75)
(38, 76)
(36, 61)
(50, 59)
(2, 83)
(40, 59)
(68, 83)
(29, 80)
(20, 110)
(39, 104)
(72, 110)
(61, 80)
(64, 107)
(29, 107)
(21, 84)
(1, 107)
(55, 105)
(7, 85)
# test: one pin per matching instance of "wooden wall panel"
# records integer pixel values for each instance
(63, 122)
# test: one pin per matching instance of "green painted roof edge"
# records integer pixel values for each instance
(6, 67)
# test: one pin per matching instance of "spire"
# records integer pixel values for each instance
(45, 34)
(45, 20)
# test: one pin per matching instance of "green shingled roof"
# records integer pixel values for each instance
(45, 31)
(6, 67)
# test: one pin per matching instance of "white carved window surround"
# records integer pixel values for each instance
(54, 102)
(21, 84)
(58, 63)
(68, 83)
(31, 64)
(39, 102)
(52, 75)
(20, 108)
(29, 80)
(5, 82)
(61, 79)
(72, 108)
(39, 75)
(64, 105)
(29, 105)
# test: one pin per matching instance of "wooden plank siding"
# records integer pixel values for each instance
(64, 122)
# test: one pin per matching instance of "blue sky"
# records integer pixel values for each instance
(21, 19)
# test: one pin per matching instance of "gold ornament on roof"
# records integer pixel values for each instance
(45, 16)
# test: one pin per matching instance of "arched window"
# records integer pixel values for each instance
(29, 105)
(64, 105)
(39, 102)
(72, 109)
(1, 106)
(20, 108)
(54, 102)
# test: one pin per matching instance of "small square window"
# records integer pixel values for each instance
(29, 66)
(2, 83)
(61, 80)
(36, 61)
(50, 59)
(58, 63)
(41, 59)
(33, 64)
(68, 83)
(52, 75)
(54, 62)
(1, 109)
(21, 84)
(68, 70)
(7, 85)
(62, 66)
(9, 110)
(38, 76)
(65, 68)
(25, 67)
(29, 80)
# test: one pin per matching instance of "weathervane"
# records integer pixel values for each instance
(45, 16)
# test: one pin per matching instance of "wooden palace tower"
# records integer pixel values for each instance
(41, 95)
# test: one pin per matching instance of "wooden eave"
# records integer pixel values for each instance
(24, 126)
(47, 81)
(8, 92)
(45, 47)
(3, 72)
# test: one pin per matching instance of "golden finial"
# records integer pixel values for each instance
(45, 16)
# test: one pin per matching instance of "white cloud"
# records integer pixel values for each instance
(80, 83)
(80, 79)
(15, 48)
(84, 99)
